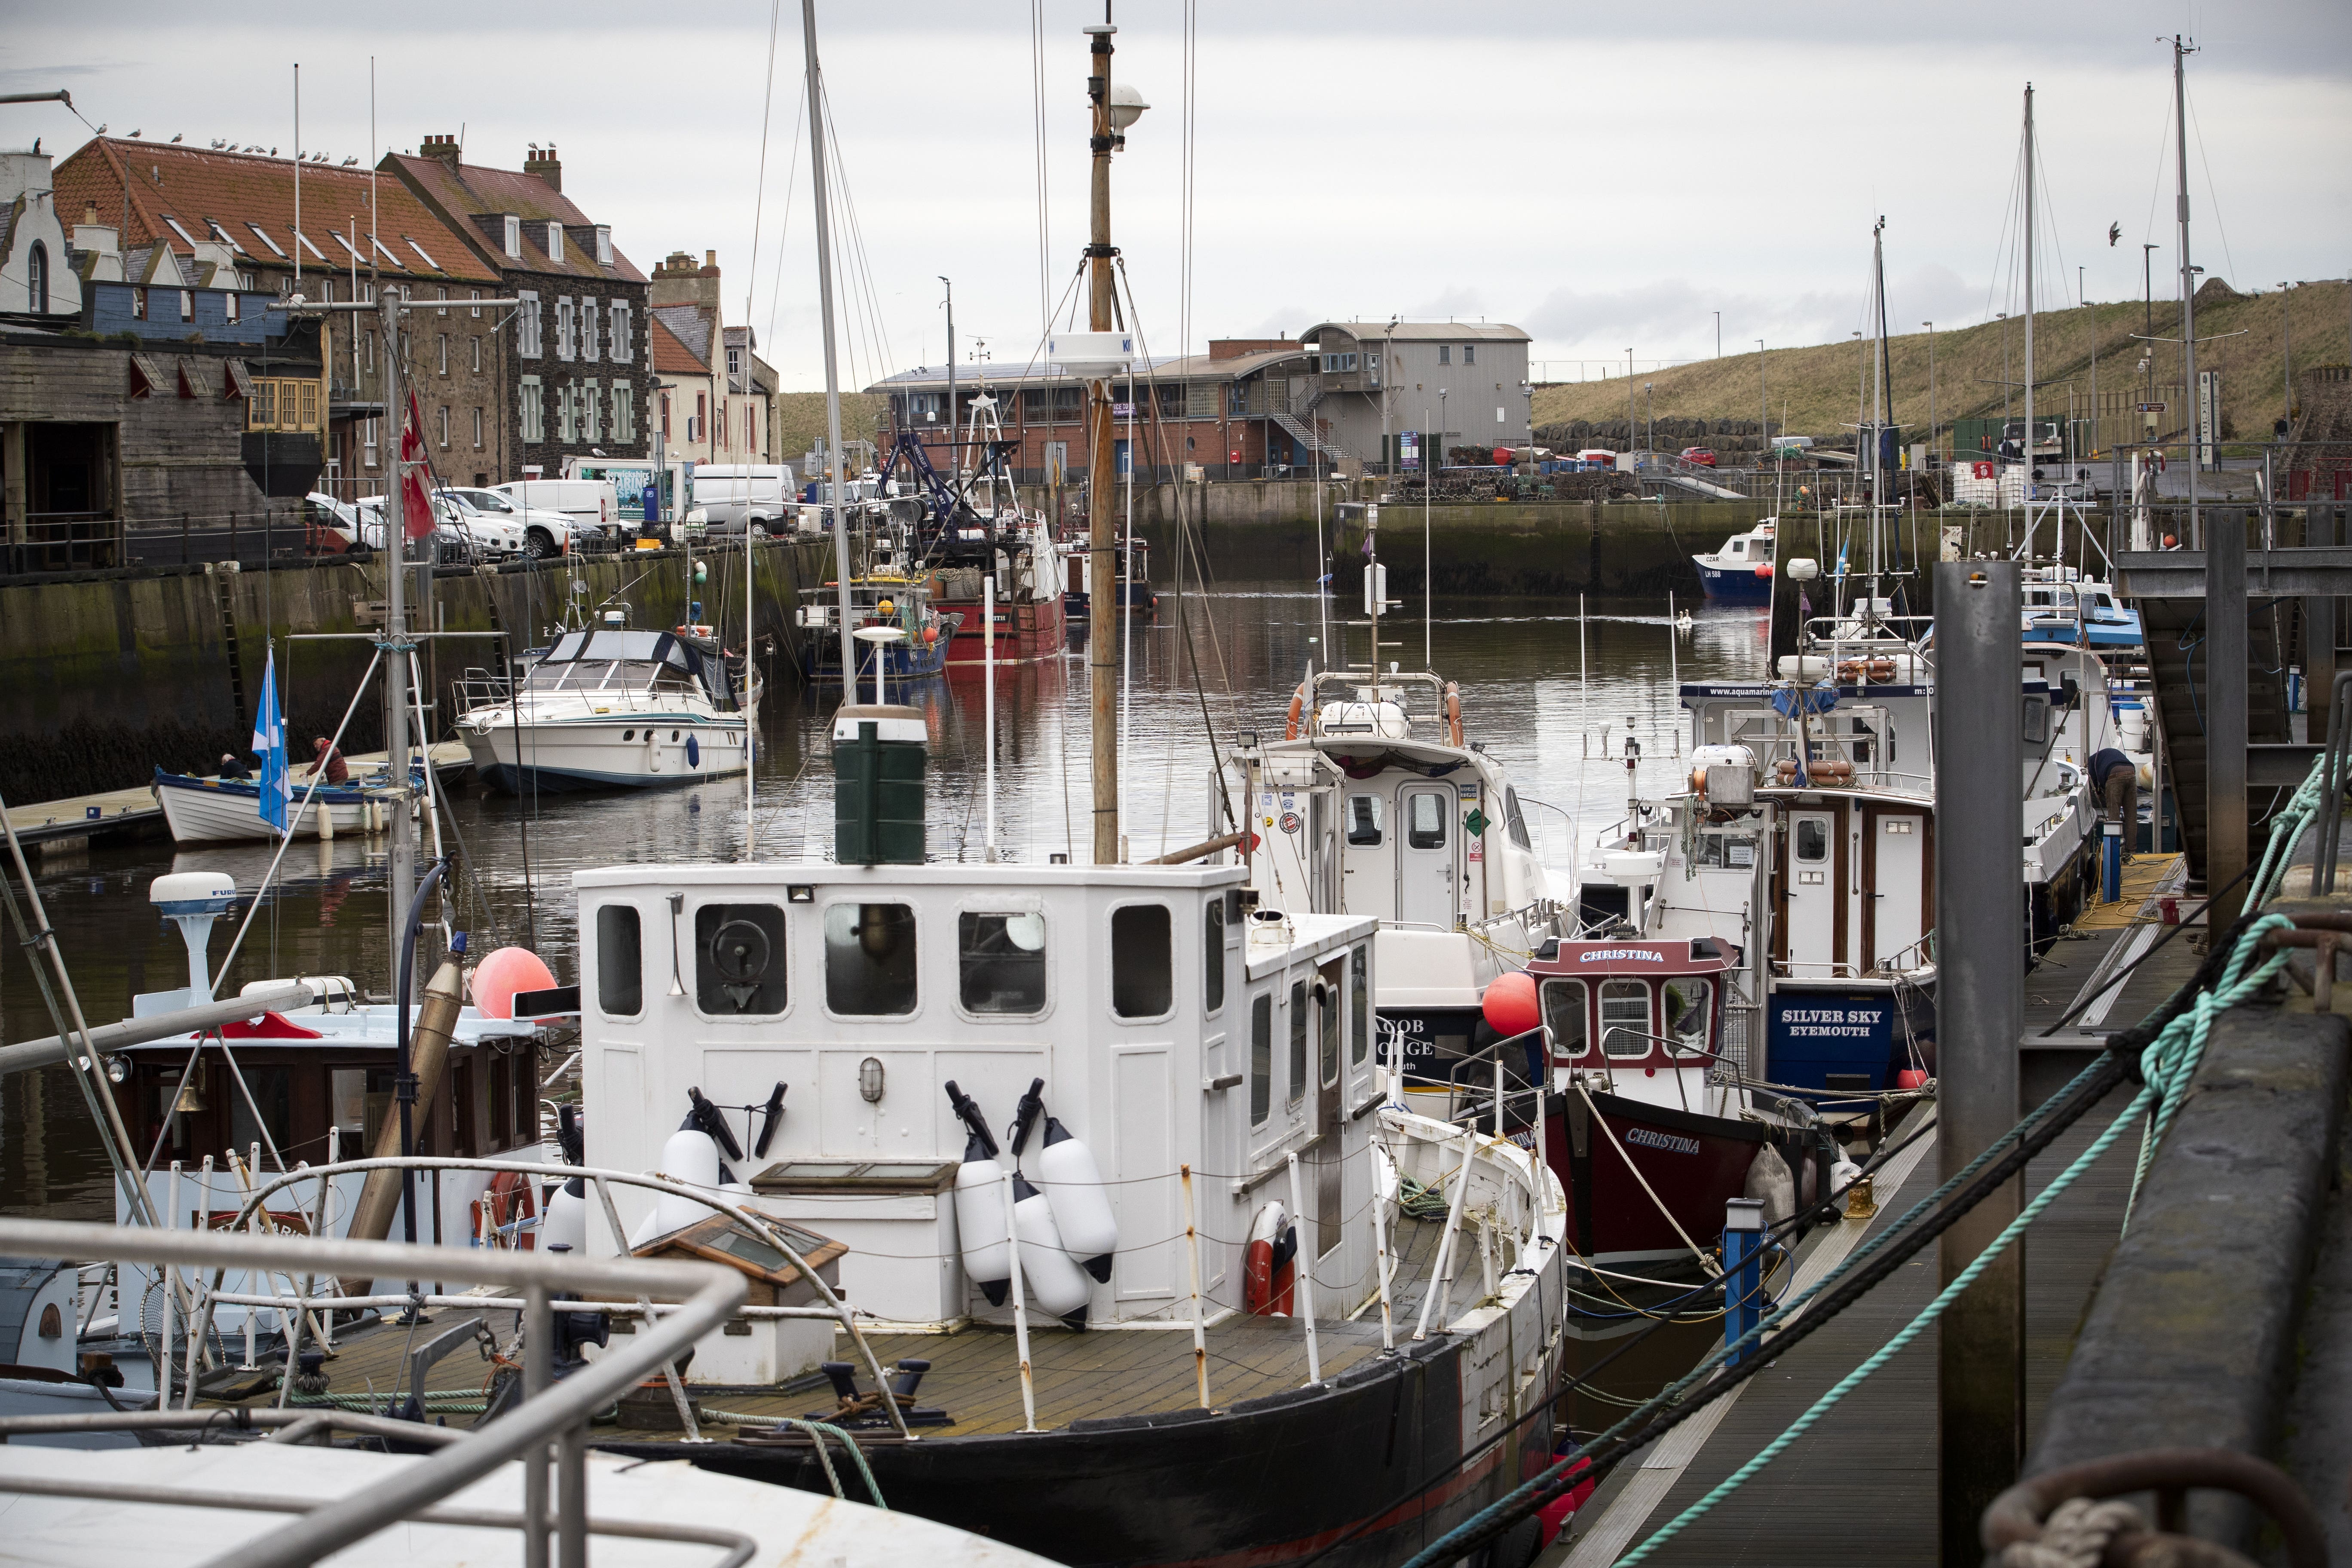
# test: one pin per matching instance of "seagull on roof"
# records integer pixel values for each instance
(176, 135)
(349, 162)
(273, 152)
(134, 133)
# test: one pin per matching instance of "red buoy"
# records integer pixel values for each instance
(1911, 1077)
(1510, 1003)
(503, 972)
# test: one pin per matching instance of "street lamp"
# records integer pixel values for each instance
(1718, 334)
(2286, 326)
(1763, 397)
(1931, 389)
(1649, 391)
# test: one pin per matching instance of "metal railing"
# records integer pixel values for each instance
(551, 1415)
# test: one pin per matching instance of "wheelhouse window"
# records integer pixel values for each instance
(739, 960)
(1261, 1058)
(1327, 1037)
(869, 959)
(1564, 1005)
(1515, 821)
(1142, 961)
(270, 1091)
(1364, 820)
(1294, 1086)
(1425, 820)
(1001, 962)
(1359, 1006)
(620, 962)
(358, 1100)
(1690, 1012)
(1213, 955)
(1625, 1017)
(1812, 839)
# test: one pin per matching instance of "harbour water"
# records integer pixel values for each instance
(1518, 663)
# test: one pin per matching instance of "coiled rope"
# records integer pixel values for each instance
(818, 1431)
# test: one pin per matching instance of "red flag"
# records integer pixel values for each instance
(416, 507)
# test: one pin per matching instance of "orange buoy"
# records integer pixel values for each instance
(1510, 1003)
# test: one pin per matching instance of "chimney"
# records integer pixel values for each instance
(546, 166)
(444, 149)
(710, 263)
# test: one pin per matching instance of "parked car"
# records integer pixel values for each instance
(333, 525)
(592, 505)
(1702, 456)
(545, 533)
(461, 535)
(727, 494)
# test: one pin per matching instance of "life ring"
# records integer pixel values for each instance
(1297, 707)
(1268, 1264)
(1454, 713)
(507, 1201)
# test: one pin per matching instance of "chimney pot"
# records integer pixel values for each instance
(711, 258)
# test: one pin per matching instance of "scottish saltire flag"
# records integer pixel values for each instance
(269, 745)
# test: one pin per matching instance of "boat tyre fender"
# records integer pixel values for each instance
(508, 1199)
(1298, 708)
(1269, 1263)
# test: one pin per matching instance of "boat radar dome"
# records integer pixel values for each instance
(879, 751)
(193, 899)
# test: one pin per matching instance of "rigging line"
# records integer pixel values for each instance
(1038, 166)
(857, 234)
(2212, 197)
(784, 230)
(758, 208)
(2156, 184)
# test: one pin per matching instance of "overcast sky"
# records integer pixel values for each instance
(1605, 182)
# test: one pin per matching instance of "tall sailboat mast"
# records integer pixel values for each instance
(832, 369)
(1102, 520)
(2028, 450)
(2181, 52)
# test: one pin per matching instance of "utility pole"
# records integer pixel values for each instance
(953, 465)
(2029, 310)
(1718, 334)
(1632, 423)
(1763, 399)
(1931, 389)
(842, 568)
(2286, 327)
(1110, 124)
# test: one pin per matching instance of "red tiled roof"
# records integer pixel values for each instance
(200, 188)
(672, 357)
(474, 190)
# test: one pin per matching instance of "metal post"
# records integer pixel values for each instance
(2318, 656)
(1438, 1274)
(1200, 1325)
(1102, 530)
(2225, 712)
(401, 864)
(1980, 943)
(841, 567)
(1020, 1314)
(1743, 1295)
(538, 1375)
(1306, 1274)
(571, 1498)
(1381, 1262)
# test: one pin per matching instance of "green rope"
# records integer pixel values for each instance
(1419, 1200)
(2168, 1062)
(818, 1432)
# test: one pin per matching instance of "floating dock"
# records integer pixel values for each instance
(133, 813)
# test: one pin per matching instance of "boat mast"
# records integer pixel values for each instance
(1102, 532)
(1878, 401)
(2180, 52)
(2028, 450)
(401, 862)
(832, 369)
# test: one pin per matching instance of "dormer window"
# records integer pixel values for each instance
(555, 242)
(514, 235)
(603, 245)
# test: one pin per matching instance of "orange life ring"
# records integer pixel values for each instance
(1269, 1263)
(508, 1199)
(1297, 707)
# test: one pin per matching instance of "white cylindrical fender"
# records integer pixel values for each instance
(565, 1223)
(1055, 1283)
(1073, 1186)
(981, 1228)
(691, 1158)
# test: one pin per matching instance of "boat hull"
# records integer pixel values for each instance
(596, 756)
(1267, 1481)
(1691, 1161)
(1026, 631)
(1736, 584)
(902, 661)
(228, 811)
(1851, 1032)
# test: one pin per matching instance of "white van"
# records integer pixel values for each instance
(726, 494)
(592, 505)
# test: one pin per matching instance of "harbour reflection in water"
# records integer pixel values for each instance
(1517, 664)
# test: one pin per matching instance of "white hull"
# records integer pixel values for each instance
(628, 753)
(220, 817)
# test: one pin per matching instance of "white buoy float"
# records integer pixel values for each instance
(1073, 1186)
(981, 1228)
(1055, 1282)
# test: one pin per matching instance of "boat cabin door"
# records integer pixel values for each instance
(1426, 880)
(1809, 893)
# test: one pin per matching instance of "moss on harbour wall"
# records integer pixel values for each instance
(106, 676)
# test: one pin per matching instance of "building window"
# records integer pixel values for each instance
(442, 351)
(603, 245)
(367, 353)
(734, 364)
(534, 412)
(1445, 353)
(438, 293)
(555, 242)
(478, 352)
(590, 349)
(665, 417)
(566, 429)
(592, 407)
(367, 436)
(563, 309)
(1339, 364)
(187, 304)
(527, 323)
(701, 416)
(624, 412)
(282, 404)
(475, 294)
(229, 307)
(444, 426)
(139, 304)
(624, 342)
(477, 429)
(1469, 353)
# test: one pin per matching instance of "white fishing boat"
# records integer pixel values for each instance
(201, 810)
(607, 706)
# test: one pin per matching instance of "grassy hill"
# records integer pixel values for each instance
(800, 420)
(1812, 390)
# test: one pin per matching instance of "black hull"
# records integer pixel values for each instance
(1267, 1481)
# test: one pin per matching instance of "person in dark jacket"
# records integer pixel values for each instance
(2114, 778)
(328, 759)
(231, 768)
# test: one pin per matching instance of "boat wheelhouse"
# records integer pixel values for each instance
(1741, 571)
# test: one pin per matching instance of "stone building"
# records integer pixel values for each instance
(574, 361)
(738, 418)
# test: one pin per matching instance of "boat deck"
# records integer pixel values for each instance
(1860, 1488)
(974, 1375)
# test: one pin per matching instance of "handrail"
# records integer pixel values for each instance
(759, 1225)
(711, 1294)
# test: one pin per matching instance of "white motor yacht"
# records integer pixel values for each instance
(605, 707)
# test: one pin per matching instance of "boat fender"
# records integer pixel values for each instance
(1454, 713)
(1268, 1264)
(1297, 707)
(981, 1231)
(1769, 1181)
(1055, 1282)
(565, 1222)
(1843, 1175)
(1073, 1184)
(690, 1158)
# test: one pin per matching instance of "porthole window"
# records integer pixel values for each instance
(739, 960)
(620, 962)
(673, 734)
(628, 734)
